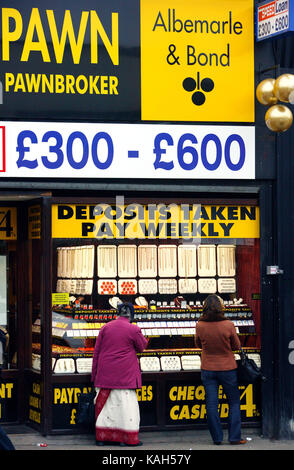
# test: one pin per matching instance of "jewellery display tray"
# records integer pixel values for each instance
(74, 332)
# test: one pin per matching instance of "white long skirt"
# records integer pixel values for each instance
(117, 416)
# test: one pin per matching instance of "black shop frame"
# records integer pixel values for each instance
(263, 196)
(22, 376)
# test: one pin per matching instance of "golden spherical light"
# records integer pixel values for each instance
(265, 92)
(278, 118)
(284, 86)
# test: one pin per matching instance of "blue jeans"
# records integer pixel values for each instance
(211, 381)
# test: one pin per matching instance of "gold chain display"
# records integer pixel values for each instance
(169, 269)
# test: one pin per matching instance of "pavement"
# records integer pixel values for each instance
(171, 442)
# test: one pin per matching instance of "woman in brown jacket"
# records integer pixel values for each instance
(217, 338)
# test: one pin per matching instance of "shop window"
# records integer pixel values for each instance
(166, 273)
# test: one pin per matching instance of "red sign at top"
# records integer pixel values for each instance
(266, 11)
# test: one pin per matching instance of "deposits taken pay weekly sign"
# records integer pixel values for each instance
(154, 221)
(274, 18)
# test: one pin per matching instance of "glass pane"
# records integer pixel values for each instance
(8, 301)
(3, 290)
(166, 278)
(34, 282)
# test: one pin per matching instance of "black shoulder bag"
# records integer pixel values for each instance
(86, 409)
(247, 370)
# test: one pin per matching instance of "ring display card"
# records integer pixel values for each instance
(207, 286)
(226, 285)
(170, 363)
(84, 365)
(167, 286)
(75, 286)
(107, 287)
(149, 364)
(191, 362)
(187, 286)
(148, 286)
(127, 286)
(63, 366)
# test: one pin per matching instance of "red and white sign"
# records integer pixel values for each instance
(266, 11)
(273, 18)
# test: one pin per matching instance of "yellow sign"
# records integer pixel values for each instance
(6, 393)
(60, 298)
(30, 30)
(34, 222)
(154, 221)
(8, 223)
(197, 60)
(189, 410)
(145, 393)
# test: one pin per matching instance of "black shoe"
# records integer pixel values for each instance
(217, 443)
(100, 443)
(108, 443)
(140, 443)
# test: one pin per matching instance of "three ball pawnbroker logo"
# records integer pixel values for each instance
(206, 85)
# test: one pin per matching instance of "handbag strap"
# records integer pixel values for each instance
(243, 354)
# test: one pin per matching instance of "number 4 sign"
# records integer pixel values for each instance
(8, 223)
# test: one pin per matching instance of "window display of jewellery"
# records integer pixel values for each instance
(74, 333)
(181, 359)
(75, 261)
(158, 311)
(130, 269)
(67, 360)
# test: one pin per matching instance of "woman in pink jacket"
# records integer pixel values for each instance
(116, 376)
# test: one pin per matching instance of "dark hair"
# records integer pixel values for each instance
(126, 310)
(213, 309)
